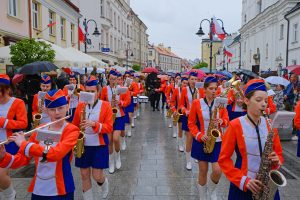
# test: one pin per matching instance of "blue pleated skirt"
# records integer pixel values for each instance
(236, 194)
(298, 149)
(233, 115)
(94, 156)
(119, 124)
(184, 121)
(199, 154)
(130, 108)
(69, 196)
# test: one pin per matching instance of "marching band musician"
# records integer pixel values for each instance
(188, 94)
(235, 103)
(222, 86)
(247, 136)
(168, 94)
(53, 178)
(120, 102)
(142, 90)
(200, 119)
(13, 117)
(98, 124)
(175, 105)
(45, 86)
(297, 125)
(71, 94)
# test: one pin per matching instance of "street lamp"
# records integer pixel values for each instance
(200, 33)
(127, 57)
(95, 33)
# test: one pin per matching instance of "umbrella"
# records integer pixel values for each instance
(296, 71)
(38, 67)
(225, 73)
(277, 80)
(200, 73)
(18, 78)
(292, 67)
(247, 72)
(150, 69)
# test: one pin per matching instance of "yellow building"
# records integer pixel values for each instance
(205, 47)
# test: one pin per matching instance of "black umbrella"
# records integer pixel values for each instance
(247, 73)
(38, 67)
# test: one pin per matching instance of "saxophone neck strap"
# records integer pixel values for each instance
(92, 107)
(209, 106)
(258, 135)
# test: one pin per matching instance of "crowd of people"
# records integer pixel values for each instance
(212, 117)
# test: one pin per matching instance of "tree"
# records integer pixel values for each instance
(28, 51)
(136, 68)
(200, 65)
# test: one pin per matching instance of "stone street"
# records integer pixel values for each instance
(153, 168)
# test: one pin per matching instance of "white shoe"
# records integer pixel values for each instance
(188, 160)
(103, 189)
(118, 160)
(138, 113)
(170, 125)
(211, 189)
(123, 143)
(202, 192)
(132, 122)
(111, 163)
(294, 138)
(180, 145)
(129, 131)
(88, 195)
(9, 193)
(174, 131)
(196, 161)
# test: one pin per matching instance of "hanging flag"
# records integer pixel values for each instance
(51, 24)
(227, 52)
(229, 60)
(80, 35)
(217, 29)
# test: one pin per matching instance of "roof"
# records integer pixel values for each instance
(72, 5)
(294, 9)
(236, 40)
(166, 52)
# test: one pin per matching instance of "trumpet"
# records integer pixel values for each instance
(28, 133)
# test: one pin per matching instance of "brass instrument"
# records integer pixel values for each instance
(270, 179)
(238, 91)
(114, 108)
(212, 132)
(169, 113)
(77, 90)
(79, 147)
(176, 116)
(38, 117)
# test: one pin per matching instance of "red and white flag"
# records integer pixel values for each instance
(217, 29)
(80, 35)
(227, 52)
(51, 24)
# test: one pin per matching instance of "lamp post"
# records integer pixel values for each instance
(95, 33)
(127, 57)
(200, 33)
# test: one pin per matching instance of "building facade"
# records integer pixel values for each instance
(264, 34)
(153, 57)
(167, 60)
(205, 51)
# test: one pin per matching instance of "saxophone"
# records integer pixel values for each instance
(114, 108)
(79, 147)
(176, 117)
(38, 117)
(271, 179)
(212, 132)
(77, 90)
(169, 113)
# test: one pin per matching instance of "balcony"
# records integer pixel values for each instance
(106, 23)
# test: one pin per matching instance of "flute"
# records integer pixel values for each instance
(33, 130)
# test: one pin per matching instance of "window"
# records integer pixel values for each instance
(295, 33)
(51, 20)
(281, 31)
(294, 62)
(62, 28)
(35, 15)
(245, 19)
(12, 7)
(245, 47)
(150, 53)
(72, 33)
(101, 9)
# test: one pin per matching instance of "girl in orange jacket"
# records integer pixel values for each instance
(188, 94)
(246, 136)
(199, 119)
(98, 125)
(297, 125)
(120, 103)
(53, 176)
(13, 117)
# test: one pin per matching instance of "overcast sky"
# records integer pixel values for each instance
(175, 22)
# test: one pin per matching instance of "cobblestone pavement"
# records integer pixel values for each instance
(153, 168)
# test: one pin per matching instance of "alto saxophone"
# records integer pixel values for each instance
(212, 132)
(176, 116)
(38, 117)
(114, 108)
(79, 147)
(169, 113)
(270, 179)
(77, 90)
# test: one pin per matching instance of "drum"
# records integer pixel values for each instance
(143, 99)
(135, 100)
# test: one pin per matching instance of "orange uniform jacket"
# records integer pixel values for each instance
(141, 88)
(297, 116)
(175, 99)
(196, 115)
(184, 100)
(35, 104)
(65, 90)
(134, 89)
(103, 126)
(124, 99)
(235, 139)
(271, 108)
(59, 155)
(169, 92)
(14, 119)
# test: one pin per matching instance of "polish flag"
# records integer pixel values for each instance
(217, 29)
(227, 52)
(229, 60)
(51, 24)
(80, 35)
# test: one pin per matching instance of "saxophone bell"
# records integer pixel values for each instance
(79, 148)
(37, 119)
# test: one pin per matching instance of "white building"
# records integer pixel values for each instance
(264, 34)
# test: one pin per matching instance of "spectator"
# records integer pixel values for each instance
(290, 92)
(152, 86)
(278, 97)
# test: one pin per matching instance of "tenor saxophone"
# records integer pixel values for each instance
(38, 117)
(270, 179)
(79, 147)
(212, 132)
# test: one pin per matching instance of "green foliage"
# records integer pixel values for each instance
(28, 51)
(136, 68)
(200, 65)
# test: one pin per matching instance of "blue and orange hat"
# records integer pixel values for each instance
(128, 72)
(184, 79)
(92, 81)
(72, 75)
(222, 79)
(113, 72)
(177, 74)
(255, 84)
(45, 79)
(119, 74)
(193, 74)
(210, 79)
(55, 98)
(4, 79)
